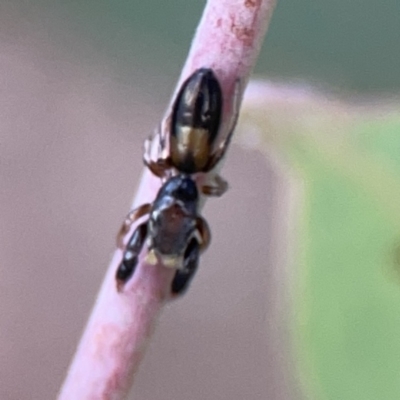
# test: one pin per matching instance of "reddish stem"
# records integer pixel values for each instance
(227, 40)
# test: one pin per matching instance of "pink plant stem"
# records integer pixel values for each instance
(227, 40)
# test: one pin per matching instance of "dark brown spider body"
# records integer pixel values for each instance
(196, 119)
(175, 233)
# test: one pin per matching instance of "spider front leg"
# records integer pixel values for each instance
(221, 149)
(158, 167)
(197, 245)
(129, 220)
(204, 233)
(217, 187)
(131, 256)
(163, 136)
(183, 276)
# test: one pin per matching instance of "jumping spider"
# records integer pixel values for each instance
(175, 233)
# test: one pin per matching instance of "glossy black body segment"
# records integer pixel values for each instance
(174, 233)
(196, 119)
(131, 254)
(189, 139)
(179, 188)
(172, 220)
(184, 276)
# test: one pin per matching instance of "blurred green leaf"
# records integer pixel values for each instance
(346, 160)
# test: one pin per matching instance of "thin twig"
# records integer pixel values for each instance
(227, 40)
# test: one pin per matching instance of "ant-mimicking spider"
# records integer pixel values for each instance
(175, 233)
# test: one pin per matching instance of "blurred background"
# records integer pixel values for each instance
(299, 298)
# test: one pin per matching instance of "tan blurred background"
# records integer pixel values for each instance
(70, 158)
(81, 86)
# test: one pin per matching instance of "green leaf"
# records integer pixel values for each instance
(346, 301)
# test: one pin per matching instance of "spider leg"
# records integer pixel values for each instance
(164, 132)
(131, 218)
(217, 187)
(158, 167)
(130, 257)
(204, 232)
(183, 276)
